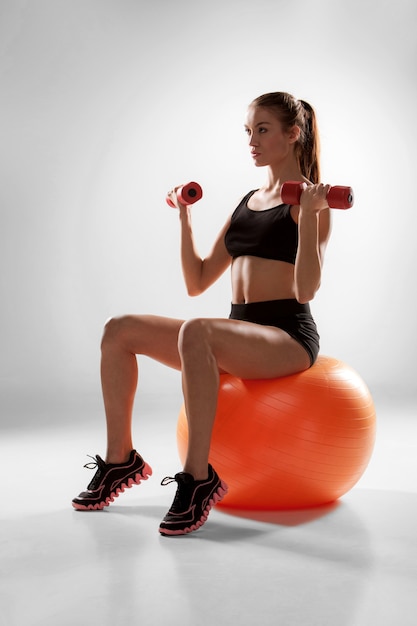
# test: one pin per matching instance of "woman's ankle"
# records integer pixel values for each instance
(197, 472)
(117, 457)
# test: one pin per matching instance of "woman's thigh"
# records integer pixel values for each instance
(243, 349)
(249, 350)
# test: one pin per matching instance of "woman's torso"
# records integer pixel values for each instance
(263, 239)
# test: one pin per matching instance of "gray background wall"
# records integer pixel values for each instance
(107, 104)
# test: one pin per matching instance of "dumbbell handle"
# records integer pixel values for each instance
(338, 197)
(187, 194)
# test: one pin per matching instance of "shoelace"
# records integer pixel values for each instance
(182, 495)
(97, 464)
(167, 480)
(92, 464)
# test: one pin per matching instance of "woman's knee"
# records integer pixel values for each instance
(117, 330)
(193, 334)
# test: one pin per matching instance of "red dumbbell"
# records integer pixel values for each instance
(338, 197)
(187, 194)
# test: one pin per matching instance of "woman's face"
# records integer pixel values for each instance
(269, 143)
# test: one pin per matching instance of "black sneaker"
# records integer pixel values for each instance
(110, 480)
(192, 502)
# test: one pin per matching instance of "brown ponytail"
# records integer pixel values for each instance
(290, 112)
(308, 153)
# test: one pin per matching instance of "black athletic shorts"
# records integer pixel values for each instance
(294, 318)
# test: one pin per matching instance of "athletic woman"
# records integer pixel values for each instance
(275, 253)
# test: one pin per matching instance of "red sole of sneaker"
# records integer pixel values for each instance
(147, 471)
(218, 496)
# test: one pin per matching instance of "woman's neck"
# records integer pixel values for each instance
(280, 172)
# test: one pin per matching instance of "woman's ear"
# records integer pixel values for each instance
(294, 133)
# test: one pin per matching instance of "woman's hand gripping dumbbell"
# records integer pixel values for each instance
(187, 194)
(338, 197)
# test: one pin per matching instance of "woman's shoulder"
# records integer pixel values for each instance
(244, 199)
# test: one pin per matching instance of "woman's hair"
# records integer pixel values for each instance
(290, 112)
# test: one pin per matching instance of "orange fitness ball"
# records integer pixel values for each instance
(293, 442)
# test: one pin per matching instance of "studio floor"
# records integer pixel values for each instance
(353, 563)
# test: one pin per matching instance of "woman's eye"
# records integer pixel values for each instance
(262, 129)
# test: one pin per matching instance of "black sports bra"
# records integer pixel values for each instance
(269, 234)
